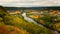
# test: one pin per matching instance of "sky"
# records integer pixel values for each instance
(29, 3)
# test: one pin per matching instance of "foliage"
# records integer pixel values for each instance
(16, 24)
(50, 21)
(7, 29)
(56, 26)
(28, 26)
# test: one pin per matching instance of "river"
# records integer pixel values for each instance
(32, 21)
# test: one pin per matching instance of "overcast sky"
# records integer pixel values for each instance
(29, 3)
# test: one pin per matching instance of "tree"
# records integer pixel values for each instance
(3, 12)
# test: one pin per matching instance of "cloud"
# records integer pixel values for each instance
(29, 3)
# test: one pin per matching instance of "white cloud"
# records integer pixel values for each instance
(28, 3)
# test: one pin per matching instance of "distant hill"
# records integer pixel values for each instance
(33, 8)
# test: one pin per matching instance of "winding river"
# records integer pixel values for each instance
(32, 21)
